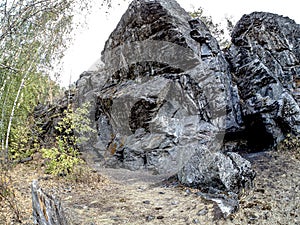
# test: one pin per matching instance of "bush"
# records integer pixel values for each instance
(72, 130)
(22, 143)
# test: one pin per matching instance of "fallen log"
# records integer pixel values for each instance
(47, 209)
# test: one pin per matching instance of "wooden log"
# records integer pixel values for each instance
(47, 209)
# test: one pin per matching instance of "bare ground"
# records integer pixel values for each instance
(117, 197)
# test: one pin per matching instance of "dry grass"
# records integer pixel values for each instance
(89, 198)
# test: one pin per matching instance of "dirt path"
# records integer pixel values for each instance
(122, 198)
(274, 200)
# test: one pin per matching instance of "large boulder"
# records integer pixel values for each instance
(265, 62)
(165, 100)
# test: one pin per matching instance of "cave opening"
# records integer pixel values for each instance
(257, 136)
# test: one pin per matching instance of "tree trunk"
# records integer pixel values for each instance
(47, 209)
(12, 114)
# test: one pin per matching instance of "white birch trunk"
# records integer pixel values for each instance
(12, 114)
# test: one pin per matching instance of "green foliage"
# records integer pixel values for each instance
(20, 146)
(33, 37)
(23, 138)
(72, 130)
(290, 144)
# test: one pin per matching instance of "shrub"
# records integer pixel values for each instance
(72, 130)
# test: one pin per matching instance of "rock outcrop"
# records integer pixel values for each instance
(265, 61)
(166, 99)
(169, 101)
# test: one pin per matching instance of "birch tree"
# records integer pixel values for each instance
(33, 37)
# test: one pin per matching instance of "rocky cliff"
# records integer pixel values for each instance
(264, 59)
(166, 99)
(171, 102)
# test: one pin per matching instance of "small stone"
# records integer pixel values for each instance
(174, 203)
(115, 218)
(196, 221)
(252, 217)
(141, 189)
(122, 200)
(94, 203)
(187, 192)
(203, 211)
(149, 218)
(160, 217)
(68, 198)
(68, 189)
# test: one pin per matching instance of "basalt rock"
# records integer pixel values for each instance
(265, 61)
(169, 101)
(165, 99)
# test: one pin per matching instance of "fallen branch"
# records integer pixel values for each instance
(47, 209)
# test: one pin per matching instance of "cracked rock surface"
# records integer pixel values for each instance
(169, 102)
(167, 99)
(265, 61)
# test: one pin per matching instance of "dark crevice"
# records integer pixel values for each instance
(143, 69)
(252, 138)
(142, 113)
(258, 139)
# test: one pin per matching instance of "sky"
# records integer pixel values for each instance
(89, 41)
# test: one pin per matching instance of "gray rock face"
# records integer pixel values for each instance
(165, 99)
(265, 61)
(168, 101)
